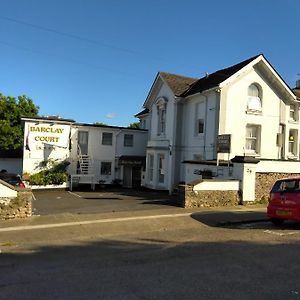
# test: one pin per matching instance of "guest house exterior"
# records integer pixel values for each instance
(95, 153)
(244, 114)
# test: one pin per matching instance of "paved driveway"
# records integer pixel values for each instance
(87, 202)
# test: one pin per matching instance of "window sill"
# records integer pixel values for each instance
(252, 154)
(254, 112)
(293, 121)
(291, 156)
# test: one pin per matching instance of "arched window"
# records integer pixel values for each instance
(254, 102)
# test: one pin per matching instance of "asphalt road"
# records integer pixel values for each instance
(178, 258)
(101, 201)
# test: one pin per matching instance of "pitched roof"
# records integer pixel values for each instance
(214, 79)
(143, 112)
(177, 83)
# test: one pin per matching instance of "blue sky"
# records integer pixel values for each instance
(95, 61)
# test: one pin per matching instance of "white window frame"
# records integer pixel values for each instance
(254, 138)
(293, 113)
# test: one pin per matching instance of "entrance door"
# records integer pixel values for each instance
(127, 177)
(83, 139)
(136, 176)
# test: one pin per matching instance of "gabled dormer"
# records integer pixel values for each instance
(177, 84)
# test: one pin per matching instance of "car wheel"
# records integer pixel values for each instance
(277, 221)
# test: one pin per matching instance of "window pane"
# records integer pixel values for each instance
(292, 112)
(200, 126)
(106, 138)
(293, 136)
(251, 144)
(254, 103)
(105, 168)
(151, 164)
(161, 126)
(161, 169)
(128, 140)
(253, 91)
(252, 138)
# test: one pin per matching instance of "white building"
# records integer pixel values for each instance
(248, 103)
(96, 153)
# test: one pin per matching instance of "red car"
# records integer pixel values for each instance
(12, 178)
(284, 201)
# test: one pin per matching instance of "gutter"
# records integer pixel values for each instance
(216, 89)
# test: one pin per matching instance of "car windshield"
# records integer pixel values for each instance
(291, 185)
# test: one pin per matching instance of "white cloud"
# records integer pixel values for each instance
(111, 115)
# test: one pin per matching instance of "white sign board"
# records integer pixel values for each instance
(40, 135)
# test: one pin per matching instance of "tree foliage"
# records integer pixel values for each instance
(100, 123)
(135, 125)
(11, 111)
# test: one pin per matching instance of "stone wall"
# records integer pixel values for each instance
(265, 181)
(19, 207)
(189, 198)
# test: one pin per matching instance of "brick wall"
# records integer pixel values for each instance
(19, 207)
(189, 198)
(265, 181)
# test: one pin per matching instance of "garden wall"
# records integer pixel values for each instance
(189, 198)
(18, 207)
(265, 181)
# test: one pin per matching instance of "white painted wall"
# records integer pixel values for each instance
(217, 185)
(139, 143)
(96, 150)
(278, 167)
(234, 115)
(6, 191)
(194, 108)
(192, 171)
(166, 93)
(40, 151)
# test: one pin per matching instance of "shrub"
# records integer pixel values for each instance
(55, 175)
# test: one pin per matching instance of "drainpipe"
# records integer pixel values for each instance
(205, 129)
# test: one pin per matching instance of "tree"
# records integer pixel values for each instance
(135, 125)
(100, 123)
(11, 111)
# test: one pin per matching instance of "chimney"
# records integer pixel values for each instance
(298, 84)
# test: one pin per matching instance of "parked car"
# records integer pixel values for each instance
(13, 179)
(284, 201)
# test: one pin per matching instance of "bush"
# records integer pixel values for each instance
(45, 178)
(56, 175)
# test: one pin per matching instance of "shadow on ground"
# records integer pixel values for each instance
(229, 218)
(153, 269)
